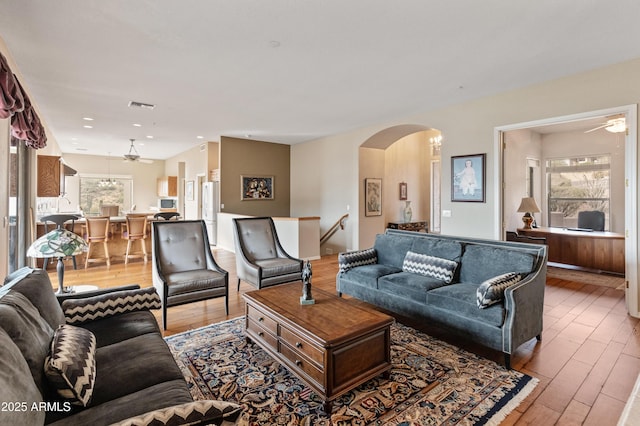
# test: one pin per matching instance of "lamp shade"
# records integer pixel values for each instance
(57, 243)
(528, 205)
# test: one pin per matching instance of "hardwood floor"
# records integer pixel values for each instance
(587, 362)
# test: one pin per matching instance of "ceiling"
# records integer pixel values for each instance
(288, 71)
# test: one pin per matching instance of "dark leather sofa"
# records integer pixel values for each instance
(130, 375)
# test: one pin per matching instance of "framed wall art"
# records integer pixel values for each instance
(256, 187)
(373, 197)
(403, 190)
(468, 178)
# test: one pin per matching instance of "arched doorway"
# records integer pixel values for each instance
(401, 160)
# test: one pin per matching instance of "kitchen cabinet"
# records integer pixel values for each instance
(168, 186)
(51, 176)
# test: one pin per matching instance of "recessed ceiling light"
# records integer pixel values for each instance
(87, 126)
(87, 118)
(199, 137)
(149, 137)
(137, 125)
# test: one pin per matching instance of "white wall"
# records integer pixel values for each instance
(328, 167)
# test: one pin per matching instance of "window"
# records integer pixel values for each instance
(96, 191)
(577, 184)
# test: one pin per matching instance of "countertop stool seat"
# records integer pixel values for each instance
(135, 229)
(97, 232)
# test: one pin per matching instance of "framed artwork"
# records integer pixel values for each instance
(188, 190)
(468, 178)
(403, 190)
(256, 187)
(373, 197)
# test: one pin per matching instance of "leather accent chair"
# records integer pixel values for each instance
(135, 229)
(166, 215)
(97, 233)
(184, 270)
(59, 220)
(591, 220)
(260, 259)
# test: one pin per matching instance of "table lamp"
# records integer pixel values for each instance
(527, 206)
(58, 243)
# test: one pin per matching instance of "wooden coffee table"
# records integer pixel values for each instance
(333, 346)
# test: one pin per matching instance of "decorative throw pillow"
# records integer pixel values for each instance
(208, 412)
(109, 304)
(352, 259)
(492, 290)
(429, 266)
(71, 367)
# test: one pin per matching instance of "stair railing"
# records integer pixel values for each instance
(334, 228)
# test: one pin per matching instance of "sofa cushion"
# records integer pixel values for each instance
(210, 411)
(109, 304)
(367, 275)
(122, 327)
(353, 259)
(17, 388)
(492, 290)
(392, 248)
(460, 299)
(71, 366)
(480, 262)
(35, 285)
(445, 249)
(409, 285)
(191, 281)
(29, 331)
(430, 266)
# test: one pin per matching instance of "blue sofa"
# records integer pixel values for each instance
(399, 274)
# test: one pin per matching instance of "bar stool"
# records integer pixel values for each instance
(166, 215)
(135, 230)
(97, 232)
(59, 220)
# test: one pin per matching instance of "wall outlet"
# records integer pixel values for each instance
(446, 213)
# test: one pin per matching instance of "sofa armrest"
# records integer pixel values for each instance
(83, 295)
(356, 258)
(524, 305)
(77, 311)
(205, 412)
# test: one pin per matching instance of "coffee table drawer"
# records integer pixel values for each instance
(262, 334)
(302, 344)
(262, 319)
(303, 365)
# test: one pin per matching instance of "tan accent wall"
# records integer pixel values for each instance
(240, 157)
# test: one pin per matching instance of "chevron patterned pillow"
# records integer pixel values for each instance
(429, 266)
(210, 412)
(77, 311)
(352, 259)
(71, 367)
(492, 290)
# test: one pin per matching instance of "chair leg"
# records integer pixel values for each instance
(87, 254)
(126, 255)
(507, 361)
(238, 284)
(106, 253)
(164, 316)
(144, 249)
(75, 265)
(44, 263)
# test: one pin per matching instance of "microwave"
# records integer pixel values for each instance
(167, 203)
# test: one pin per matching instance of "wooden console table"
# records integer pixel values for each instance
(333, 345)
(409, 226)
(599, 251)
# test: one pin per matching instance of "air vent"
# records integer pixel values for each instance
(134, 104)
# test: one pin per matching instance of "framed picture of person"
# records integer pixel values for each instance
(468, 173)
(373, 197)
(256, 187)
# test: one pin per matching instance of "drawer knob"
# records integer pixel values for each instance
(298, 345)
(298, 362)
(261, 319)
(261, 334)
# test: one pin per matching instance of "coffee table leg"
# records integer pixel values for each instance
(327, 406)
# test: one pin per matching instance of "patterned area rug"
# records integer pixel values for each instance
(431, 382)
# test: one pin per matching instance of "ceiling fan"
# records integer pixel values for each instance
(613, 125)
(133, 155)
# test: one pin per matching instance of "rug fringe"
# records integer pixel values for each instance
(499, 417)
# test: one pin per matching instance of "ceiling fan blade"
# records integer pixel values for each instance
(599, 127)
